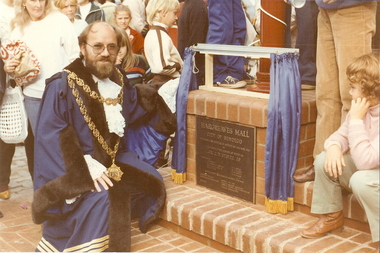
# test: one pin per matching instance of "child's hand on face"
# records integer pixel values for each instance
(359, 108)
(334, 161)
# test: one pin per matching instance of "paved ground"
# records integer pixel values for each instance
(19, 234)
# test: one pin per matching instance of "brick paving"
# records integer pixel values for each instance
(195, 219)
(246, 227)
(19, 234)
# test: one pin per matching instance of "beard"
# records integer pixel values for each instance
(102, 67)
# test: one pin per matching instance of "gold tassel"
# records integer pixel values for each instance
(279, 206)
(178, 178)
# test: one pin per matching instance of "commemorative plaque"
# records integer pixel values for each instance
(225, 157)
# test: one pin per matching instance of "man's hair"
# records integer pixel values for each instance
(154, 7)
(365, 71)
(82, 38)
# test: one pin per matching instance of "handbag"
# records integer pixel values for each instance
(29, 66)
(13, 119)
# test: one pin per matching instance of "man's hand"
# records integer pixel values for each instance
(104, 181)
(334, 161)
(359, 108)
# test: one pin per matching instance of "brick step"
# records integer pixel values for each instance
(229, 224)
(353, 212)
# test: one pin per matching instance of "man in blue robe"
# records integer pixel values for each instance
(88, 185)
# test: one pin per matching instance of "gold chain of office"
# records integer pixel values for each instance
(113, 171)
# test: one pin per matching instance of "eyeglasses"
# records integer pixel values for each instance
(99, 48)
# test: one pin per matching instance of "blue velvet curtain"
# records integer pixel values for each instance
(283, 131)
(187, 82)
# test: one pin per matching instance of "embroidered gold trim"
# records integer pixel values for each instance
(114, 171)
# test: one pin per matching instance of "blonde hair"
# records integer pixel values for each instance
(61, 4)
(120, 8)
(365, 71)
(22, 17)
(130, 58)
(155, 7)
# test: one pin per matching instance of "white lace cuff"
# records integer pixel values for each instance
(96, 168)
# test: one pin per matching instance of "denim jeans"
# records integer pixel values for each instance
(32, 106)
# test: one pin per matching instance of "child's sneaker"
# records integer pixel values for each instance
(232, 83)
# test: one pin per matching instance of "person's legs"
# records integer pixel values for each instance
(327, 83)
(376, 38)
(353, 31)
(32, 106)
(235, 63)
(29, 149)
(327, 193)
(339, 31)
(84, 229)
(327, 197)
(365, 186)
(327, 190)
(6, 155)
(220, 31)
(307, 41)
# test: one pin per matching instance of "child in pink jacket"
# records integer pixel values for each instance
(351, 156)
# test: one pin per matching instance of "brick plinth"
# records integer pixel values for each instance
(251, 111)
(232, 225)
(247, 111)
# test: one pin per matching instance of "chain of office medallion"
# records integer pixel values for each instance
(72, 80)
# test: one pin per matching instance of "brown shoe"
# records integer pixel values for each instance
(326, 223)
(304, 175)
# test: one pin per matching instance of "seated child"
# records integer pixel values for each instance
(143, 138)
(135, 65)
(351, 156)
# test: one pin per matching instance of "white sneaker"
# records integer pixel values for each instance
(231, 82)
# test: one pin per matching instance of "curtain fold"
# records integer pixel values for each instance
(187, 82)
(283, 132)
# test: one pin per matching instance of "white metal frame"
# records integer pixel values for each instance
(245, 51)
